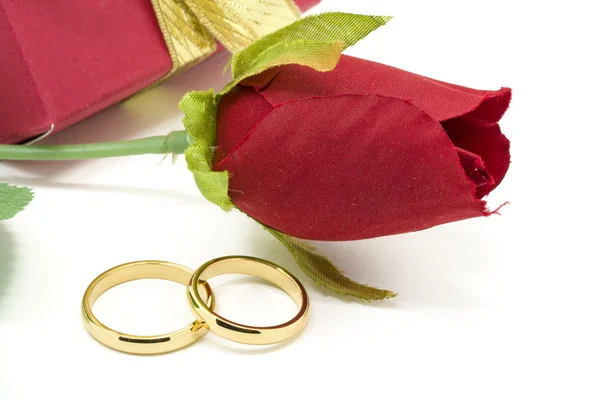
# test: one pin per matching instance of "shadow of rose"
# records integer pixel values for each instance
(344, 255)
(428, 269)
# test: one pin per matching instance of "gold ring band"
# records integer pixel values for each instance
(135, 344)
(262, 269)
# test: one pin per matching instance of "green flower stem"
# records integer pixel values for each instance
(176, 142)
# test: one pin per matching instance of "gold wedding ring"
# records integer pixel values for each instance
(142, 344)
(245, 333)
(197, 284)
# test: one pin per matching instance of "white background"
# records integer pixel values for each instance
(498, 308)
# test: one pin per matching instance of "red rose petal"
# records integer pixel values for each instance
(238, 113)
(349, 167)
(440, 100)
(487, 141)
(474, 168)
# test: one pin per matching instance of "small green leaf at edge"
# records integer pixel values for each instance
(13, 200)
(323, 272)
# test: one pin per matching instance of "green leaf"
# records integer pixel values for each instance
(323, 272)
(13, 200)
(316, 41)
(200, 121)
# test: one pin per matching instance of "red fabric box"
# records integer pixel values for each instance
(62, 61)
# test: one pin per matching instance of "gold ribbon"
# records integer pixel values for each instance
(191, 28)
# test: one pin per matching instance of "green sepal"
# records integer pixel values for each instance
(200, 121)
(323, 272)
(316, 41)
(13, 200)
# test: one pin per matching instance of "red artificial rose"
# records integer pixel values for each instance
(365, 150)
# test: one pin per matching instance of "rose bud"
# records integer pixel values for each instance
(315, 145)
(361, 151)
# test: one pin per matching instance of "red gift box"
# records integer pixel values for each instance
(65, 60)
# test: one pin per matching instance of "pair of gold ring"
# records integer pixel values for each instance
(203, 305)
